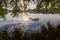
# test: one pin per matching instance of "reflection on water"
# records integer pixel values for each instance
(44, 18)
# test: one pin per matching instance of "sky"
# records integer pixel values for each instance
(32, 5)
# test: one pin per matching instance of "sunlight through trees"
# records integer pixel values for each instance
(18, 5)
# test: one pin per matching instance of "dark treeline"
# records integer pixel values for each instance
(50, 33)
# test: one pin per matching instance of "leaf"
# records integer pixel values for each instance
(16, 11)
(3, 12)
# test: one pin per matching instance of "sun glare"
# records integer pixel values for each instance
(26, 19)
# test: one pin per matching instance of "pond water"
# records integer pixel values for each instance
(44, 18)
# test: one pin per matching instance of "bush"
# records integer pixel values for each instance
(51, 33)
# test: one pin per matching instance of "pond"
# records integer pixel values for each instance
(43, 19)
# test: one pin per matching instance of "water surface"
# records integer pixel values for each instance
(44, 18)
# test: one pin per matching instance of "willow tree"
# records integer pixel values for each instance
(16, 9)
(48, 5)
(4, 4)
(3, 8)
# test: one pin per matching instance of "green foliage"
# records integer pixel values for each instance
(53, 4)
(17, 34)
(16, 11)
(13, 2)
(58, 27)
(49, 5)
(26, 37)
(46, 3)
(3, 3)
(39, 5)
(4, 35)
(35, 36)
(3, 12)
